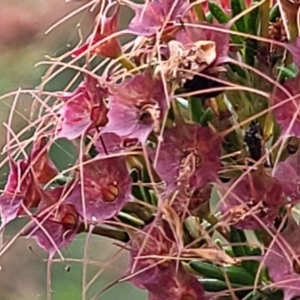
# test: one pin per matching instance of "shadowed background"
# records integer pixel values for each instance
(23, 270)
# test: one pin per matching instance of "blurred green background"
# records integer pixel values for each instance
(23, 269)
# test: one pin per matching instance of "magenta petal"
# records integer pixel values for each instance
(284, 113)
(193, 34)
(120, 115)
(110, 48)
(140, 103)
(83, 109)
(107, 188)
(189, 155)
(10, 206)
(258, 193)
(43, 167)
(20, 190)
(110, 143)
(176, 284)
(55, 224)
(18, 181)
(156, 242)
(54, 232)
(167, 280)
(295, 50)
(59, 235)
(279, 263)
(150, 17)
(70, 131)
(287, 173)
(22, 187)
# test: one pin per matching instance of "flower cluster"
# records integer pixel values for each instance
(191, 130)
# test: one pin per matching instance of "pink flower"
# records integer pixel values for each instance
(282, 267)
(287, 173)
(136, 107)
(163, 280)
(110, 143)
(189, 35)
(188, 157)
(158, 242)
(58, 226)
(176, 284)
(111, 47)
(284, 113)
(294, 48)
(83, 109)
(256, 194)
(22, 187)
(150, 17)
(107, 188)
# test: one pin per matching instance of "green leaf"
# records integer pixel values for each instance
(237, 7)
(62, 180)
(249, 56)
(129, 219)
(196, 109)
(254, 295)
(209, 17)
(183, 102)
(207, 270)
(153, 198)
(238, 236)
(222, 17)
(253, 20)
(236, 275)
(288, 72)
(218, 13)
(274, 13)
(206, 117)
(239, 275)
(238, 70)
(214, 285)
(197, 113)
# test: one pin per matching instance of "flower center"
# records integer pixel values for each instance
(296, 266)
(149, 113)
(127, 142)
(110, 193)
(98, 116)
(186, 60)
(190, 161)
(187, 297)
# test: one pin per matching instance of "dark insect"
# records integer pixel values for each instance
(278, 222)
(68, 268)
(199, 83)
(253, 139)
(251, 48)
(293, 145)
(296, 266)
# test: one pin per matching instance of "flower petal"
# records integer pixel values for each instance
(150, 17)
(110, 48)
(83, 109)
(106, 186)
(140, 103)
